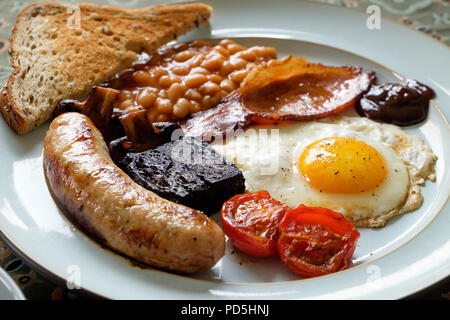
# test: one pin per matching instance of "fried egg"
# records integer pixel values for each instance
(365, 170)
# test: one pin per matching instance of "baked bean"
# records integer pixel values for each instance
(181, 108)
(215, 78)
(162, 117)
(217, 97)
(227, 85)
(213, 62)
(195, 80)
(238, 76)
(165, 81)
(238, 63)
(183, 56)
(226, 42)
(164, 105)
(248, 55)
(250, 66)
(223, 51)
(157, 72)
(162, 93)
(198, 44)
(209, 88)
(226, 68)
(233, 48)
(146, 98)
(180, 70)
(126, 104)
(188, 78)
(206, 102)
(195, 61)
(269, 52)
(199, 70)
(195, 106)
(192, 94)
(175, 92)
(141, 78)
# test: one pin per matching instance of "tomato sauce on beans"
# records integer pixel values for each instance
(186, 78)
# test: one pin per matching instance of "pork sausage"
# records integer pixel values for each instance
(123, 215)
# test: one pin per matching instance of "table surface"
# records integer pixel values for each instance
(431, 17)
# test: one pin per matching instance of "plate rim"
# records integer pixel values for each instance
(14, 290)
(384, 18)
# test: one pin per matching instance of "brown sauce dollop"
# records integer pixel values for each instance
(400, 104)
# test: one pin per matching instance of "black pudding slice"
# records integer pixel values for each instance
(187, 171)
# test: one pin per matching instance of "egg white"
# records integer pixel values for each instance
(268, 158)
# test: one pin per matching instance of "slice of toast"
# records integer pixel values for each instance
(61, 51)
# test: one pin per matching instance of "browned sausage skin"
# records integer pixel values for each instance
(125, 216)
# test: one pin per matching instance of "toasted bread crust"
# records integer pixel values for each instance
(11, 115)
(67, 62)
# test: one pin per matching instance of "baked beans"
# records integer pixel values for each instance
(188, 78)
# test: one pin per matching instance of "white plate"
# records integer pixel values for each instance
(9, 290)
(409, 254)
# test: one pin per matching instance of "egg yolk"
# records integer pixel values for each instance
(342, 165)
